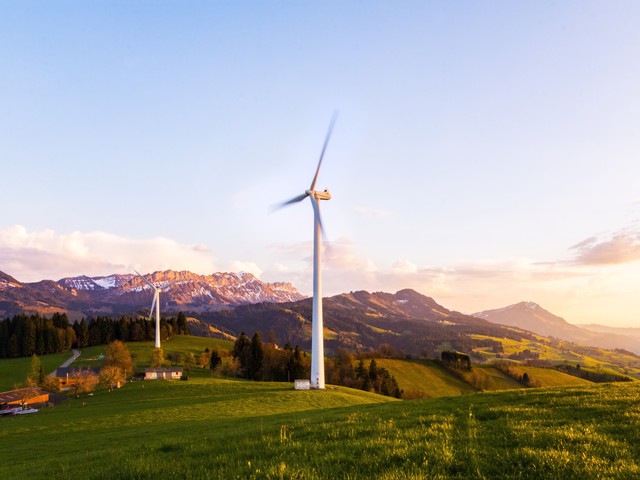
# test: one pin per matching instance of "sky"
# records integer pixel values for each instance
(485, 153)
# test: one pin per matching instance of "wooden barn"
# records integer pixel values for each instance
(33, 397)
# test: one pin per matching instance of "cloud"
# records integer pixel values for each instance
(621, 247)
(32, 256)
(372, 212)
(249, 267)
(404, 266)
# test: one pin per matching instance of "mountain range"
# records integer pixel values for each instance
(224, 304)
(89, 296)
(532, 317)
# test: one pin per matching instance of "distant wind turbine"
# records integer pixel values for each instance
(317, 334)
(156, 304)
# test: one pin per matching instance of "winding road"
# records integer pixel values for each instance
(74, 357)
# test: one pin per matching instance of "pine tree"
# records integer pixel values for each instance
(241, 352)
(214, 360)
(256, 358)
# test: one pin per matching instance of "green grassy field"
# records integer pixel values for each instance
(142, 350)
(491, 379)
(424, 378)
(237, 429)
(546, 377)
(13, 371)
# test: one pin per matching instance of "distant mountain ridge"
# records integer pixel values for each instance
(104, 295)
(405, 321)
(532, 317)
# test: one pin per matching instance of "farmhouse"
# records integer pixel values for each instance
(24, 396)
(162, 373)
(66, 375)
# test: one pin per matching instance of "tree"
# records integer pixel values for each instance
(189, 361)
(214, 359)
(83, 380)
(256, 358)
(157, 358)
(112, 377)
(241, 352)
(204, 358)
(298, 366)
(83, 334)
(373, 371)
(33, 377)
(118, 355)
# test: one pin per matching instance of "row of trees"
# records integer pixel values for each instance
(341, 371)
(255, 360)
(24, 335)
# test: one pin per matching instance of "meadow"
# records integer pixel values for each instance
(212, 428)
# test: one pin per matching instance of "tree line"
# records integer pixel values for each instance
(255, 360)
(24, 335)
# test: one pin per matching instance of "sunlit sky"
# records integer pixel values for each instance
(485, 153)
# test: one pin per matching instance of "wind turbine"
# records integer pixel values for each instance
(156, 304)
(317, 334)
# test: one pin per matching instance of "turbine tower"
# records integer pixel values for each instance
(317, 333)
(156, 304)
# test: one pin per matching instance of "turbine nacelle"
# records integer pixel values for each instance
(319, 195)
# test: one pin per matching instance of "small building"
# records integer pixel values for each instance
(65, 375)
(303, 384)
(34, 397)
(163, 373)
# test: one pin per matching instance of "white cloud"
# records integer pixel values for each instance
(404, 266)
(37, 255)
(372, 212)
(249, 267)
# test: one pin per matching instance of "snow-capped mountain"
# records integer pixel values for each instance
(120, 293)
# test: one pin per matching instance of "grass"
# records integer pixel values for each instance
(142, 350)
(491, 379)
(238, 429)
(424, 378)
(547, 377)
(13, 371)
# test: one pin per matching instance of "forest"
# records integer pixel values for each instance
(24, 335)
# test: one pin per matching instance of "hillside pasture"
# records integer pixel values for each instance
(548, 377)
(13, 371)
(424, 378)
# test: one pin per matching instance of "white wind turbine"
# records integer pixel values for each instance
(155, 304)
(317, 334)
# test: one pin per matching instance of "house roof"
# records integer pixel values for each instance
(16, 395)
(62, 372)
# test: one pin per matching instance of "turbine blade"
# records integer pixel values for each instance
(147, 281)
(153, 305)
(297, 199)
(167, 285)
(324, 148)
(322, 231)
(316, 208)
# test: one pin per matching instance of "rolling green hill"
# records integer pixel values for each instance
(424, 378)
(237, 429)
